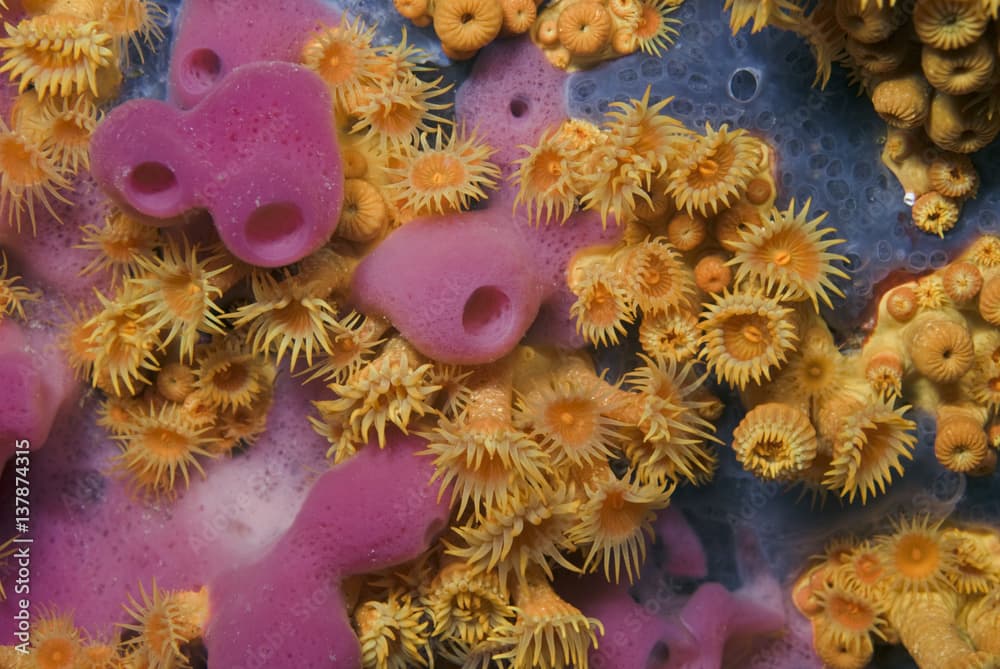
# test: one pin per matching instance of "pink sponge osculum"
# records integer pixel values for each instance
(287, 610)
(464, 288)
(260, 153)
(214, 37)
(459, 287)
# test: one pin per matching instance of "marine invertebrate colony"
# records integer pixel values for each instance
(789, 255)
(29, 177)
(746, 336)
(482, 446)
(55, 54)
(897, 588)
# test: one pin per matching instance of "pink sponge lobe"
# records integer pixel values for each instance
(22, 399)
(462, 288)
(287, 609)
(511, 97)
(214, 37)
(260, 153)
(34, 385)
(635, 637)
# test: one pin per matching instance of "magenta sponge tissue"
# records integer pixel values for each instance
(215, 37)
(285, 609)
(460, 286)
(259, 152)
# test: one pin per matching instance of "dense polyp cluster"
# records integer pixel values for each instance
(581, 33)
(929, 587)
(548, 464)
(160, 626)
(66, 59)
(572, 33)
(401, 160)
(929, 68)
(936, 342)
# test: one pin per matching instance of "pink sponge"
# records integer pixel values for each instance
(685, 554)
(464, 288)
(33, 386)
(259, 153)
(511, 97)
(634, 637)
(461, 288)
(721, 624)
(286, 610)
(214, 37)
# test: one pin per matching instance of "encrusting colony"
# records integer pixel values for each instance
(929, 587)
(929, 68)
(66, 59)
(937, 342)
(550, 465)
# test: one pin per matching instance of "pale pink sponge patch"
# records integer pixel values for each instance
(34, 385)
(286, 610)
(465, 288)
(214, 37)
(710, 629)
(634, 637)
(462, 288)
(511, 98)
(685, 554)
(259, 153)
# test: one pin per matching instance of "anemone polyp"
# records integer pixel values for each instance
(446, 175)
(656, 28)
(28, 177)
(715, 171)
(12, 295)
(547, 180)
(158, 447)
(56, 53)
(135, 22)
(918, 555)
(614, 521)
(775, 441)
(178, 292)
(870, 445)
(344, 58)
(746, 336)
(63, 127)
(790, 255)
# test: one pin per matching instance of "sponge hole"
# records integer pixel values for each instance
(273, 232)
(519, 107)
(743, 84)
(659, 656)
(200, 70)
(487, 312)
(153, 187)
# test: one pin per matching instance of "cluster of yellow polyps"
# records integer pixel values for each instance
(937, 112)
(549, 466)
(399, 160)
(466, 26)
(66, 57)
(160, 626)
(937, 343)
(171, 398)
(930, 588)
(716, 273)
(581, 33)
(937, 181)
